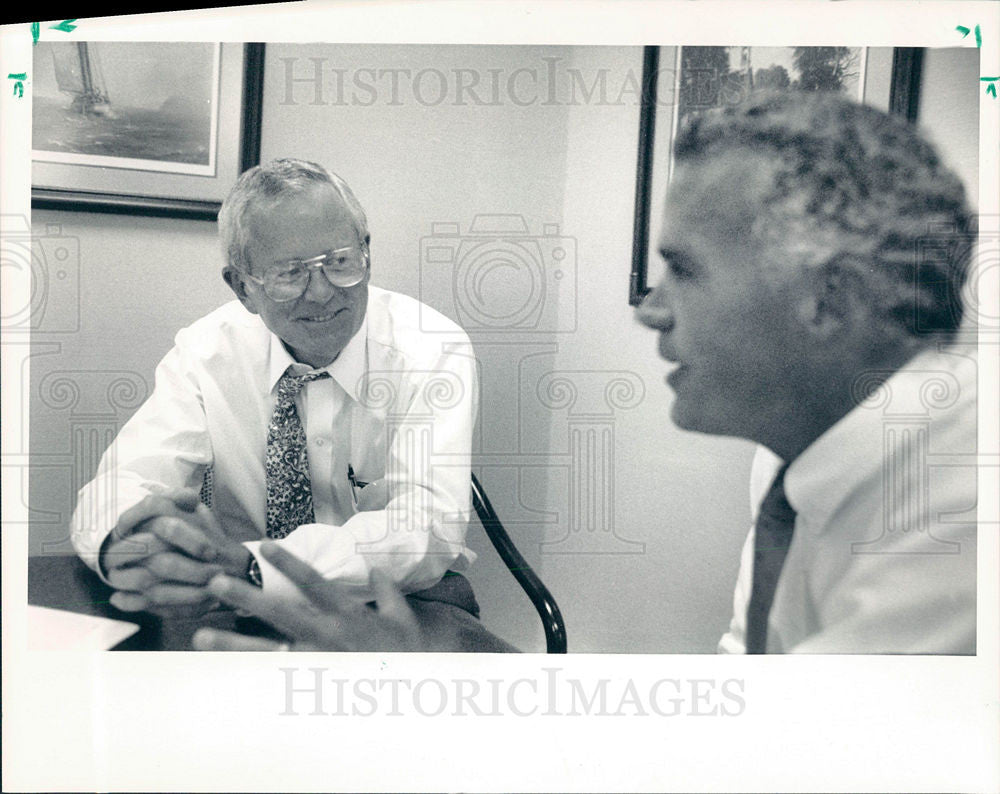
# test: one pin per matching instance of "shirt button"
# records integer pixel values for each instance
(319, 442)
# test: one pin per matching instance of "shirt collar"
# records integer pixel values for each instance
(351, 365)
(828, 470)
(347, 369)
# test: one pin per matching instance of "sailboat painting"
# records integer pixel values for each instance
(135, 105)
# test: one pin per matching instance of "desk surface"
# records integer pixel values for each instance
(64, 582)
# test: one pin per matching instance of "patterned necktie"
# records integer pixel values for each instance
(773, 536)
(289, 494)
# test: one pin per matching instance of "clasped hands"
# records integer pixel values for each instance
(171, 548)
(176, 561)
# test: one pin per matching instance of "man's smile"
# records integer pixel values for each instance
(321, 317)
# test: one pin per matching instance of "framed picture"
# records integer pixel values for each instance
(161, 128)
(679, 82)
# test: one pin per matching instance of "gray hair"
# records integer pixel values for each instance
(268, 184)
(856, 190)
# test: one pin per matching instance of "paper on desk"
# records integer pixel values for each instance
(58, 630)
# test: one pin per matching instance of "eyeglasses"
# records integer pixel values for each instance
(344, 267)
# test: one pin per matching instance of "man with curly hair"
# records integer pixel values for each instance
(803, 311)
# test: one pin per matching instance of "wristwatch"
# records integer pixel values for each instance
(253, 572)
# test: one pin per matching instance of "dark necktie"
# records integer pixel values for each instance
(289, 493)
(773, 536)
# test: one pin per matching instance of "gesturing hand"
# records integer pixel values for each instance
(324, 618)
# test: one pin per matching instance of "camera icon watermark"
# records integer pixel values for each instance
(943, 297)
(44, 267)
(498, 276)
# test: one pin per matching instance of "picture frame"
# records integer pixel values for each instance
(77, 179)
(892, 75)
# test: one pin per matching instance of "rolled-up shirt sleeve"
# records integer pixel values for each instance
(165, 444)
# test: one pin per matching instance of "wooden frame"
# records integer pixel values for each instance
(903, 99)
(63, 186)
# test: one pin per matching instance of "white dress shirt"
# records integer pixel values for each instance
(400, 405)
(883, 558)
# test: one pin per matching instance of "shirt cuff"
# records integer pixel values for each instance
(274, 582)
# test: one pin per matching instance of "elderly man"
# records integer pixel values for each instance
(332, 417)
(792, 291)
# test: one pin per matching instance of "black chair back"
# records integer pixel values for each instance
(545, 604)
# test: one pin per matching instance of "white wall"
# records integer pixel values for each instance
(574, 401)
(662, 578)
(140, 280)
(948, 111)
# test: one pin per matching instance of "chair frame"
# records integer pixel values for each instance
(545, 604)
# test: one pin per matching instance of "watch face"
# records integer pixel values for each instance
(253, 572)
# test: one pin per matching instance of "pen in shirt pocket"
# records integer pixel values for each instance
(356, 484)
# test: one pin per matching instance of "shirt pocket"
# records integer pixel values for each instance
(368, 445)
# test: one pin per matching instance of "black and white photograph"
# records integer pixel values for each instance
(369, 385)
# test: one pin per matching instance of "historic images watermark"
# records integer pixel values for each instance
(974, 248)
(931, 454)
(512, 284)
(41, 270)
(549, 82)
(323, 692)
(499, 276)
(44, 267)
(925, 475)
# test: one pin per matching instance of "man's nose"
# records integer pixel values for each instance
(319, 289)
(655, 311)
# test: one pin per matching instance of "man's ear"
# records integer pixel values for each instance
(234, 278)
(827, 305)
